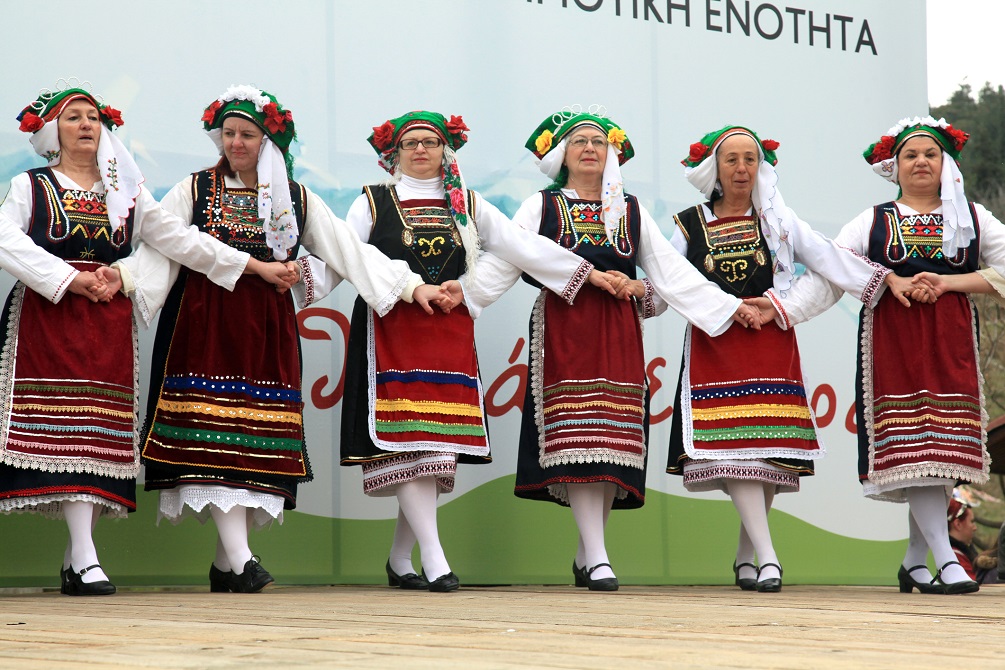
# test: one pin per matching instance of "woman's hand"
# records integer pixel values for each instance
(112, 280)
(627, 287)
(747, 316)
(604, 280)
(449, 295)
(903, 287)
(928, 286)
(88, 285)
(424, 294)
(765, 309)
(277, 274)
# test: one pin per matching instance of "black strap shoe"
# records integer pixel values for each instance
(76, 586)
(771, 584)
(606, 584)
(408, 581)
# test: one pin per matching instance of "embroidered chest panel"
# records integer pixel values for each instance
(913, 243)
(73, 223)
(581, 223)
(735, 249)
(428, 233)
(231, 215)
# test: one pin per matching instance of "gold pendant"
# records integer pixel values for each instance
(709, 263)
(406, 237)
(759, 257)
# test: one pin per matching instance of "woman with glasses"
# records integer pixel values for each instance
(583, 441)
(413, 405)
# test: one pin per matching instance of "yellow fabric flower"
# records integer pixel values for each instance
(616, 136)
(543, 142)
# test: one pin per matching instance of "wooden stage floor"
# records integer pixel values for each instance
(505, 627)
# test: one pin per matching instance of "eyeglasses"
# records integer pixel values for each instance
(427, 142)
(580, 143)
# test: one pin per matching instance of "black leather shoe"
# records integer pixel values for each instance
(579, 574)
(956, 588)
(253, 579)
(220, 581)
(772, 584)
(747, 583)
(909, 583)
(606, 584)
(75, 586)
(444, 584)
(64, 578)
(409, 581)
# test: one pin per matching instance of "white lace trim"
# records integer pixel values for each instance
(192, 501)
(392, 297)
(51, 506)
(560, 492)
(421, 445)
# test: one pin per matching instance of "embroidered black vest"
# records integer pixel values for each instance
(231, 214)
(912, 244)
(424, 235)
(73, 224)
(729, 251)
(578, 226)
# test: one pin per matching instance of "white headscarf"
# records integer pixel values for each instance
(612, 196)
(119, 173)
(776, 218)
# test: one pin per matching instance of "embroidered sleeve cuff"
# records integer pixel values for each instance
(875, 286)
(783, 316)
(648, 304)
(579, 278)
(64, 285)
(128, 285)
(307, 279)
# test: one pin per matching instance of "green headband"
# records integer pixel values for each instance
(951, 140)
(557, 126)
(48, 106)
(385, 137)
(706, 147)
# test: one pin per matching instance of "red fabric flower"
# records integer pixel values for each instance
(457, 200)
(382, 135)
(769, 145)
(275, 122)
(210, 113)
(883, 149)
(454, 170)
(959, 137)
(697, 152)
(30, 123)
(112, 114)
(456, 126)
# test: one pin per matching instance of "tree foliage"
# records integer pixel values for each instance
(983, 159)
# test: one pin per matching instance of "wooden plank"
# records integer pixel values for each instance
(505, 627)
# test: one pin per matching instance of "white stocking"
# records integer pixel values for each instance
(402, 546)
(80, 518)
(744, 547)
(589, 507)
(610, 489)
(232, 528)
(221, 561)
(417, 501)
(917, 551)
(752, 503)
(928, 507)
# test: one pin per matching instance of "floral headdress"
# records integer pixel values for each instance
(385, 137)
(119, 173)
(702, 171)
(958, 228)
(275, 163)
(548, 144)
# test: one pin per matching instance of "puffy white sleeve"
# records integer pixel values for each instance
(992, 240)
(493, 275)
(42, 272)
(379, 280)
(813, 293)
(170, 233)
(553, 266)
(680, 284)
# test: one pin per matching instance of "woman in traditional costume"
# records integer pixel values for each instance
(68, 441)
(919, 397)
(413, 406)
(225, 436)
(742, 422)
(583, 438)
